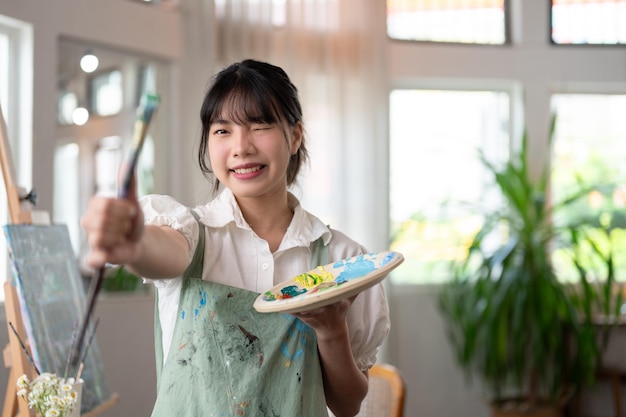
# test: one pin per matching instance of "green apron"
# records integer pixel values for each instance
(226, 359)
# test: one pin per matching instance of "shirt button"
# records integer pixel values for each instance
(265, 266)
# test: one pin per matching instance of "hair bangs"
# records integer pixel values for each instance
(244, 105)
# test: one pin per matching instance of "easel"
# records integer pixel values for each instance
(13, 354)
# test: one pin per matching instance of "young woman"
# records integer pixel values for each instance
(216, 356)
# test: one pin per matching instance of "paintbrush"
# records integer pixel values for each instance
(145, 111)
(30, 358)
(86, 350)
(67, 362)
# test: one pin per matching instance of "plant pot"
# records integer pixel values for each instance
(519, 408)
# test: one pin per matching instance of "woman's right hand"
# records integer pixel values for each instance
(114, 227)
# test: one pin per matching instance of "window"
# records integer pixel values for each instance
(589, 138)
(4, 69)
(4, 89)
(590, 22)
(108, 158)
(456, 21)
(66, 186)
(15, 97)
(589, 145)
(434, 170)
(89, 153)
(105, 93)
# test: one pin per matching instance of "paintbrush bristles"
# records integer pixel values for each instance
(80, 371)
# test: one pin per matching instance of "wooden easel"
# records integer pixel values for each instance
(13, 354)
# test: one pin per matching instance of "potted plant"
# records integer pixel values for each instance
(512, 321)
(119, 279)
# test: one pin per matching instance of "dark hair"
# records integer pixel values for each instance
(252, 92)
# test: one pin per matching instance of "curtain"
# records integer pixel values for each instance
(333, 50)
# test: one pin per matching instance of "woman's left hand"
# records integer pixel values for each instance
(327, 321)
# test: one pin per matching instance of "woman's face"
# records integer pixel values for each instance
(251, 159)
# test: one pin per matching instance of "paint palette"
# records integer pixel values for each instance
(329, 283)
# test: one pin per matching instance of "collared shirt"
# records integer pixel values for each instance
(236, 256)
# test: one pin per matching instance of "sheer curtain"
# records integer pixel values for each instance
(334, 52)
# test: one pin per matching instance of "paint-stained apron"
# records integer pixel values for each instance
(226, 359)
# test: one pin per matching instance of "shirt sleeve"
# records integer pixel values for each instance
(163, 210)
(368, 325)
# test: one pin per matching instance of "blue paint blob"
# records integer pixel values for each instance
(302, 327)
(202, 303)
(182, 314)
(387, 258)
(285, 351)
(357, 269)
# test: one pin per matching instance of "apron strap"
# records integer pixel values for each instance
(319, 253)
(195, 267)
(193, 270)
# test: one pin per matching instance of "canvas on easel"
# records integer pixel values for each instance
(44, 301)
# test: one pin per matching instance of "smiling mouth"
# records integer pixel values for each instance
(247, 170)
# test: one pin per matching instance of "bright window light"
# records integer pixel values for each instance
(68, 102)
(589, 138)
(66, 175)
(454, 21)
(108, 158)
(4, 70)
(106, 93)
(435, 169)
(588, 146)
(4, 98)
(591, 22)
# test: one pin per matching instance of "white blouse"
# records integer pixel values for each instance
(236, 256)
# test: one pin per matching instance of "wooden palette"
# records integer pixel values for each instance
(329, 283)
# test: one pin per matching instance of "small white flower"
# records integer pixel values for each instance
(22, 382)
(53, 412)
